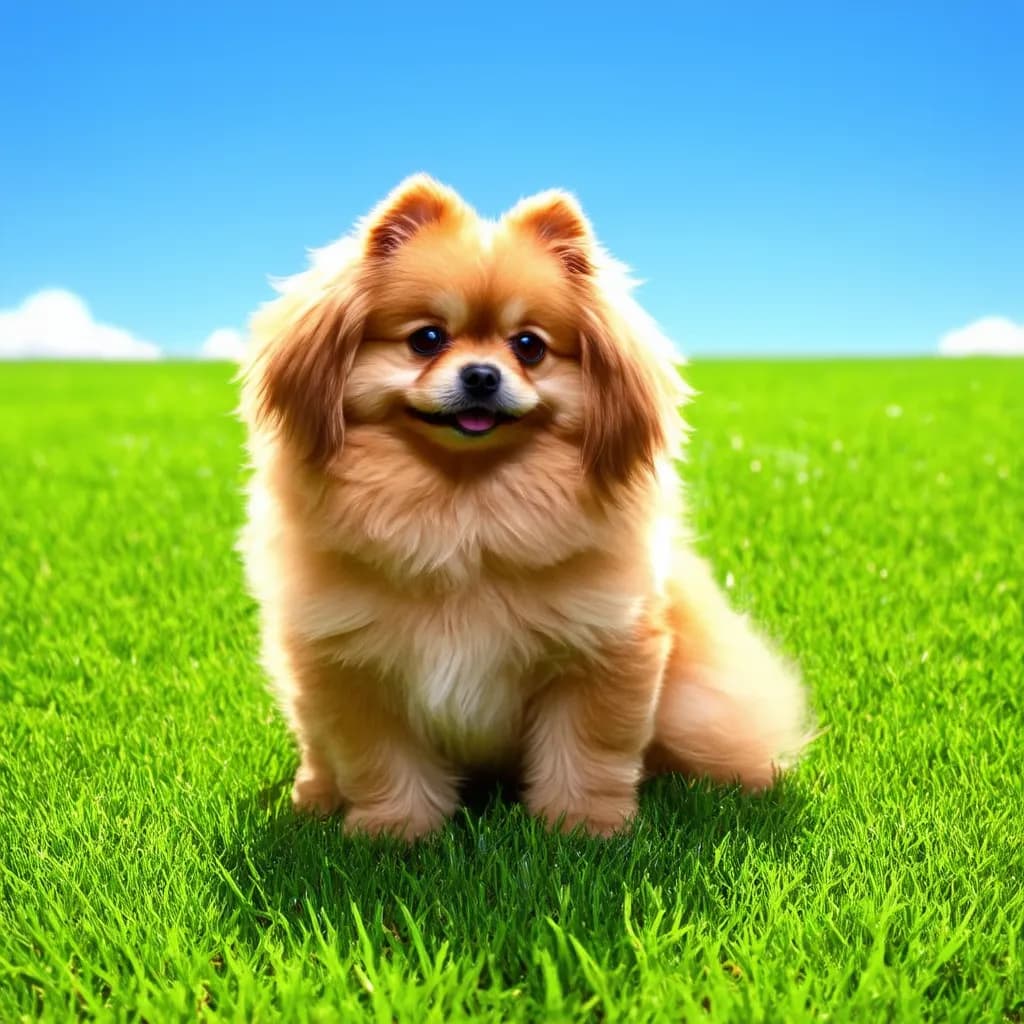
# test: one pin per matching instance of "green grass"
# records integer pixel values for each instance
(871, 515)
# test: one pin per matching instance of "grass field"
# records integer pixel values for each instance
(871, 514)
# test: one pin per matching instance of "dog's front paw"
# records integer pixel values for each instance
(601, 818)
(375, 821)
(315, 794)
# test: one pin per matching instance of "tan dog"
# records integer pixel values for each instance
(465, 529)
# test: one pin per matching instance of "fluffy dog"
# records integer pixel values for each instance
(465, 529)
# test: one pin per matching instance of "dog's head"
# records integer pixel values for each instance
(467, 338)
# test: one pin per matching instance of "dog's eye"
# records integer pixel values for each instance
(428, 341)
(528, 347)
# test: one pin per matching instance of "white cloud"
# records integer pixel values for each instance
(224, 343)
(57, 324)
(989, 336)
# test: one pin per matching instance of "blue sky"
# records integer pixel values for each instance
(786, 178)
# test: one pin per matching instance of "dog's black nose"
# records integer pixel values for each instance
(480, 379)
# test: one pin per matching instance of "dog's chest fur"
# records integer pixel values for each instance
(463, 665)
(458, 606)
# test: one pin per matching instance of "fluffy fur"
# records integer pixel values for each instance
(523, 599)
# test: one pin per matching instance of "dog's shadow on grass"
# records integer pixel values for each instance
(691, 843)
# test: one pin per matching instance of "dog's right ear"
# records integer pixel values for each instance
(415, 203)
(305, 342)
(304, 346)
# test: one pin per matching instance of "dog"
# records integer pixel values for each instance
(466, 535)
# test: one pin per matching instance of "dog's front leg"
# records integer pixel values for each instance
(359, 752)
(587, 732)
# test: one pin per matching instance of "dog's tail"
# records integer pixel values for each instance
(731, 707)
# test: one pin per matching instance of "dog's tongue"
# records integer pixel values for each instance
(476, 421)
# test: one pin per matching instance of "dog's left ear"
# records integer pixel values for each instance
(631, 383)
(631, 390)
(555, 218)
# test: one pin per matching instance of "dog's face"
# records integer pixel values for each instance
(467, 340)
(472, 342)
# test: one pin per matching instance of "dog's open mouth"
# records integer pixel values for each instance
(471, 422)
